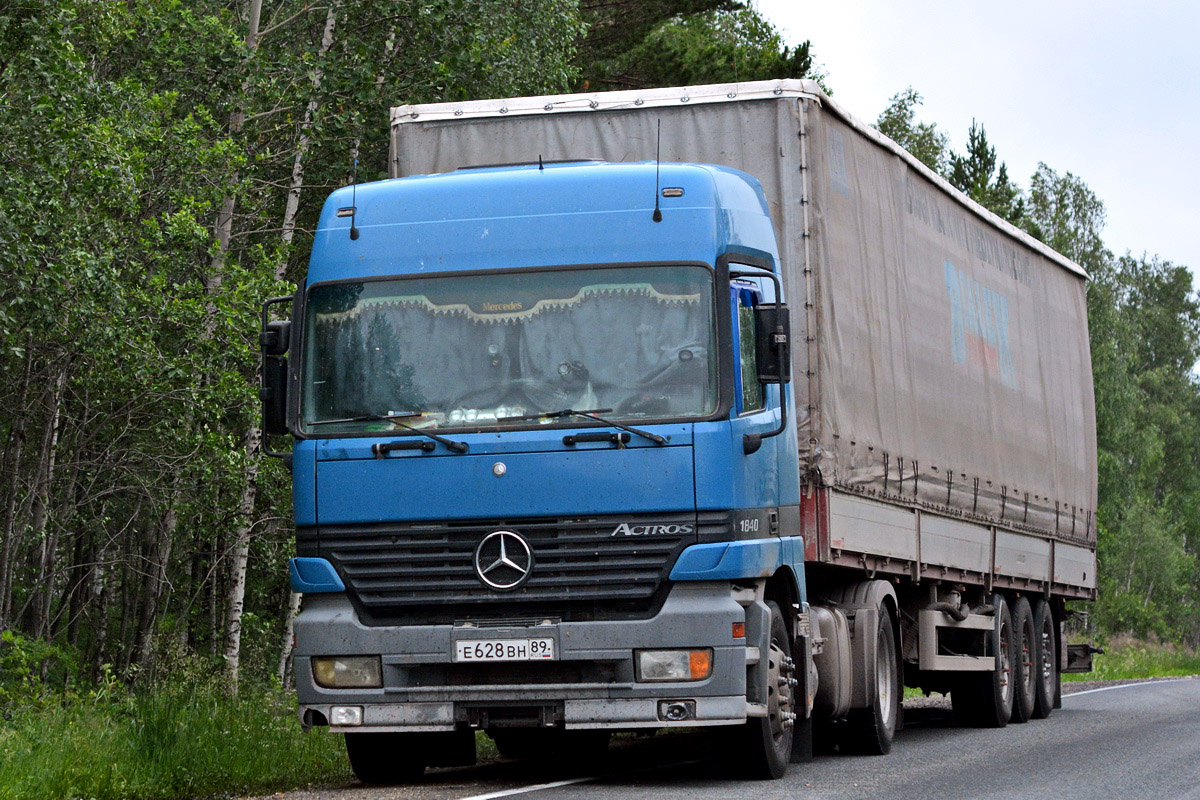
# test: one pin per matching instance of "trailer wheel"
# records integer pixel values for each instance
(768, 740)
(985, 699)
(385, 759)
(1024, 666)
(1045, 660)
(869, 731)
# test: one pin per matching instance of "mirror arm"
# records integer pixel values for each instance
(752, 441)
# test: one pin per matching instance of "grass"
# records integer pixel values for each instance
(176, 743)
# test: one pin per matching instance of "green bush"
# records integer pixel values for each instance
(181, 740)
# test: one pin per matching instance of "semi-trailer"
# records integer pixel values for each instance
(703, 407)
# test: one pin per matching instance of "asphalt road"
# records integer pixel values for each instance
(1130, 741)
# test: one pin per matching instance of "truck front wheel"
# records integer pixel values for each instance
(768, 740)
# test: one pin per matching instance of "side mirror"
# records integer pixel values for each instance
(275, 337)
(274, 342)
(273, 394)
(772, 347)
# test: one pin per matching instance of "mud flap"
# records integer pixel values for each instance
(802, 732)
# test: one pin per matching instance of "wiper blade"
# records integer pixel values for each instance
(450, 444)
(592, 414)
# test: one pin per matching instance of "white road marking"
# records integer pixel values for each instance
(1123, 686)
(534, 788)
(554, 785)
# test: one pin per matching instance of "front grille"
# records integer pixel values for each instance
(423, 572)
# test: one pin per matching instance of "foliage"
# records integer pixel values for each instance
(713, 47)
(924, 140)
(154, 154)
(646, 43)
(976, 174)
(616, 27)
(1144, 322)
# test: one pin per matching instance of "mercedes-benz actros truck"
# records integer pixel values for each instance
(707, 407)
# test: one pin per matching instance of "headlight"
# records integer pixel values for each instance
(344, 672)
(674, 665)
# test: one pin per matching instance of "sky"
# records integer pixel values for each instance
(1106, 90)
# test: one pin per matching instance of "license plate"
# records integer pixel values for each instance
(504, 650)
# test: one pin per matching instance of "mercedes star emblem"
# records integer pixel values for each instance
(503, 560)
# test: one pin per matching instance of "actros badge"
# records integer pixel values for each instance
(503, 560)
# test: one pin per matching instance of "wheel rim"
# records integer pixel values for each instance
(781, 681)
(885, 675)
(1005, 661)
(1047, 660)
(1026, 656)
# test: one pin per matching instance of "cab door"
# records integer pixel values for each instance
(755, 410)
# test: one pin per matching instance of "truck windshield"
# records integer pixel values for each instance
(469, 351)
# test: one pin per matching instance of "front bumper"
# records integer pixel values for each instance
(591, 684)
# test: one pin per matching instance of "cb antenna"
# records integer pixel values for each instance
(354, 192)
(657, 157)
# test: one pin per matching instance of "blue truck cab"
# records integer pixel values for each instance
(544, 463)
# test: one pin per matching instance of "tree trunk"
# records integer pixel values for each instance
(223, 227)
(289, 629)
(81, 583)
(16, 445)
(240, 553)
(158, 553)
(297, 181)
(216, 562)
(47, 540)
(105, 587)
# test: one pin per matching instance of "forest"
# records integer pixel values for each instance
(164, 163)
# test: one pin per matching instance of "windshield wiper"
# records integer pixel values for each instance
(450, 444)
(590, 413)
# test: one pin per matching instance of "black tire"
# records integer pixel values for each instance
(1024, 666)
(386, 759)
(985, 699)
(1046, 686)
(869, 731)
(767, 741)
